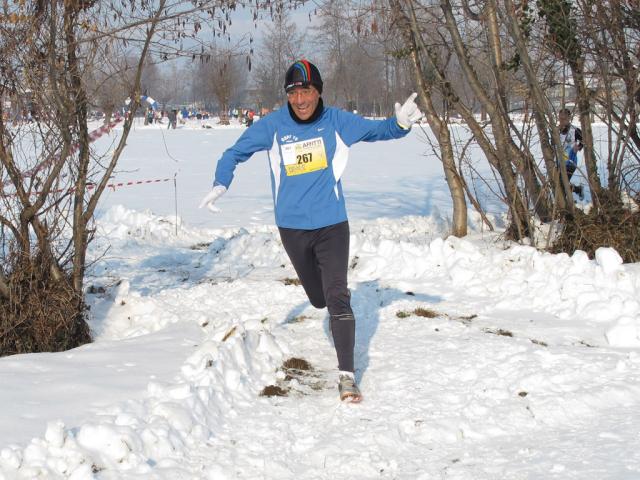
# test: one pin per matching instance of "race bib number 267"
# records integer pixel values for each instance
(304, 157)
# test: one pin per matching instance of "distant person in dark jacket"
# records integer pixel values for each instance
(571, 140)
(173, 118)
(250, 115)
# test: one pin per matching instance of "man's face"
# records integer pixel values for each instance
(563, 119)
(303, 101)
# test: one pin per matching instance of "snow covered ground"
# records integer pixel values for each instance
(477, 359)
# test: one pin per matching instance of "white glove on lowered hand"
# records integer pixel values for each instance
(211, 197)
(408, 112)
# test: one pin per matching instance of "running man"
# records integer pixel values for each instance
(308, 147)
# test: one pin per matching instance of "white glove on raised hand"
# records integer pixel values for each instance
(408, 112)
(211, 197)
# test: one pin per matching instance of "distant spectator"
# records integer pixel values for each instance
(250, 115)
(173, 119)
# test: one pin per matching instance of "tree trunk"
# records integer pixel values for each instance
(439, 127)
(584, 111)
(552, 153)
(500, 155)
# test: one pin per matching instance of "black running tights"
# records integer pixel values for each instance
(321, 259)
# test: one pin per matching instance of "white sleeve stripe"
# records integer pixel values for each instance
(340, 159)
(274, 162)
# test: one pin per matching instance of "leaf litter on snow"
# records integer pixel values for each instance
(296, 375)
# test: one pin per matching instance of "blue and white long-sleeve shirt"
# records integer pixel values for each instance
(307, 161)
(571, 137)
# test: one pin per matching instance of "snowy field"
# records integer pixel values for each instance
(477, 359)
(406, 177)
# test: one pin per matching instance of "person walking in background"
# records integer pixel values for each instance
(571, 141)
(148, 120)
(250, 115)
(173, 119)
(308, 147)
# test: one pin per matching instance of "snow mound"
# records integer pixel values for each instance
(600, 291)
(122, 224)
(229, 368)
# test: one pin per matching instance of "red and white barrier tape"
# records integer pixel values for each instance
(96, 134)
(128, 184)
(113, 186)
(93, 136)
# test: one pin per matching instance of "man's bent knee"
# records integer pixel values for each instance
(318, 302)
(339, 301)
